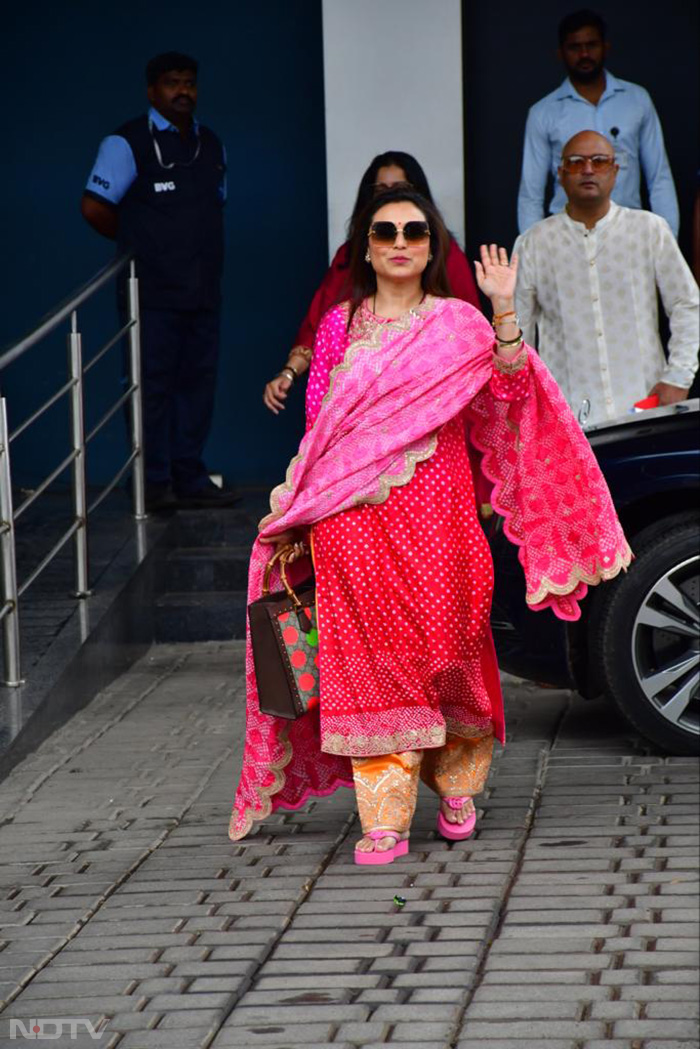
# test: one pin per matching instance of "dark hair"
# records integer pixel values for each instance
(363, 279)
(166, 63)
(392, 158)
(581, 20)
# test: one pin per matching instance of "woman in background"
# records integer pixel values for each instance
(392, 169)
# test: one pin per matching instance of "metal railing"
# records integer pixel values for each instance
(10, 590)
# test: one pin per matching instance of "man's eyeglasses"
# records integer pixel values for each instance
(386, 232)
(576, 162)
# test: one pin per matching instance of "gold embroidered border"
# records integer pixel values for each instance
(514, 365)
(265, 794)
(371, 746)
(466, 731)
(371, 343)
(578, 575)
(389, 481)
(412, 739)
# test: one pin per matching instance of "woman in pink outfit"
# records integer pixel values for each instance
(393, 168)
(383, 491)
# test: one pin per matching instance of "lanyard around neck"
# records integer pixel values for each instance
(174, 163)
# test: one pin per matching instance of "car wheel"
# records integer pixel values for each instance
(647, 641)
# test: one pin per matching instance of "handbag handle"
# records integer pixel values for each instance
(282, 555)
(269, 566)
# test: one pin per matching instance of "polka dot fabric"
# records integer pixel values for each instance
(329, 350)
(393, 398)
(403, 598)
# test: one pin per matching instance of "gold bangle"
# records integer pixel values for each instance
(290, 368)
(510, 342)
(500, 316)
(495, 324)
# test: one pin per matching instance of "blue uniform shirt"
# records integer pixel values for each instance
(639, 143)
(114, 169)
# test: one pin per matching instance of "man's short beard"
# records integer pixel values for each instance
(586, 76)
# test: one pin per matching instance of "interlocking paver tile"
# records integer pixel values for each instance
(570, 913)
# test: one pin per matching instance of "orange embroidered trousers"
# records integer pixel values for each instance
(386, 786)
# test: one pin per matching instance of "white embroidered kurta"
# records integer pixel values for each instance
(592, 297)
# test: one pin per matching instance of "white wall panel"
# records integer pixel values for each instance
(393, 80)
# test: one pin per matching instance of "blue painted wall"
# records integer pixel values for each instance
(74, 71)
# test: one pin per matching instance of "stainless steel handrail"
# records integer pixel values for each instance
(40, 411)
(46, 561)
(41, 488)
(107, 347)
(110, 413)
(113, 483)
(10, 590)
(53, 319)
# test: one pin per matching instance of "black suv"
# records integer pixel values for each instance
(638, 639)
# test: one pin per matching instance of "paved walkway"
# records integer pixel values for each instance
(569, 921)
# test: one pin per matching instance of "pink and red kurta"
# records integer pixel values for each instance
(404, 594)
(383, 481)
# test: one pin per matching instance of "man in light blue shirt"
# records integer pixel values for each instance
(591, 98)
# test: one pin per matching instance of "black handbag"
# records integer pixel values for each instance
(284, 636)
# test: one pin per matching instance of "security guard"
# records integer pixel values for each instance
(158, 188)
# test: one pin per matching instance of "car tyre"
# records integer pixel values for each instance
(646, 640)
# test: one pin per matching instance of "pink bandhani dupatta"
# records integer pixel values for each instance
(386, 403)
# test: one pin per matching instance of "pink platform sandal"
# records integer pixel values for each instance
(456, 831)
(387, 855)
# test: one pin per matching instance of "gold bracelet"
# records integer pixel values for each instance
(290, 367)
(510, 342)
(495, 324)
(288, 373)
(499, 316)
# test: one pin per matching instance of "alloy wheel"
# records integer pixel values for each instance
(666, 645)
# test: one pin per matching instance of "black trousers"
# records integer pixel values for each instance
(179, 358)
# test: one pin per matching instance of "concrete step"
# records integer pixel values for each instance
(232, 527)
(194, 569)
(210, 615)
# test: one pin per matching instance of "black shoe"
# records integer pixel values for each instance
(160, 499)
(210, 497)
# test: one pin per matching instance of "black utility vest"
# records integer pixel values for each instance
(172, 217)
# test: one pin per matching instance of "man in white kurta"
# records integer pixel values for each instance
(587, 286)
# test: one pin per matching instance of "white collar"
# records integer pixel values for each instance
(601, 224)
